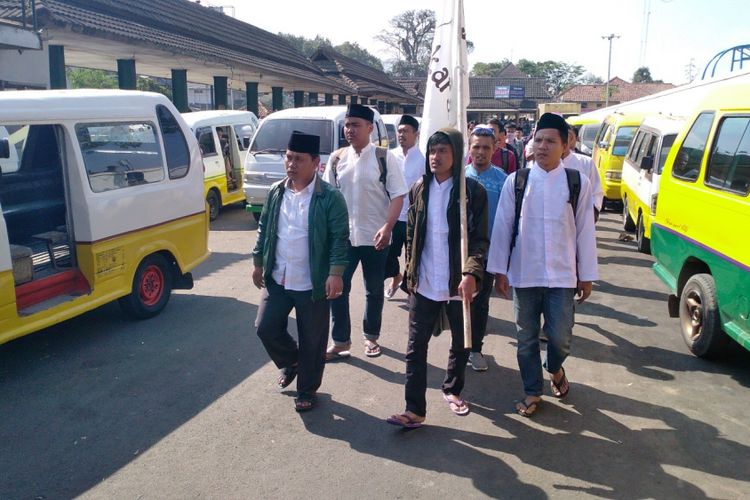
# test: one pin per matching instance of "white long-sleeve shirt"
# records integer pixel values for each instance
(583, 164)
(414, 168)
(366, 199)
(554, 248)
(434, 270)
(292, 266)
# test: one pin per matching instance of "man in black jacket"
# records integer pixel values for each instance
(436, 279)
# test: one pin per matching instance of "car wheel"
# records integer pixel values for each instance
(627, 220)
(214, 204)
(699, 317)
(642, 243)
(152, 287)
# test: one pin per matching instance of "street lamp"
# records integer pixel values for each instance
(609, 66)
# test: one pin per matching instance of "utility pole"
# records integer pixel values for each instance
(609, 66)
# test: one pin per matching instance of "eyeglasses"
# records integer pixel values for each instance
(483, 131)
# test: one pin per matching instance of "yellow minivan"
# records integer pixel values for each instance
(610, 146)
(223, 138)
(700, 235)
(586, 126)
(101, 193)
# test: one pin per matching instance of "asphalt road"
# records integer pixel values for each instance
(185, 405)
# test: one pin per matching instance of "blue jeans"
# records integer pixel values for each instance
(557, 306)
(373, 272)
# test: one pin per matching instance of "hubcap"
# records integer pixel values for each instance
(152, 285)
(692, 324)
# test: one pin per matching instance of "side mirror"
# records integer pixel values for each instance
(246, 142)
(4, 149)
(647, 163)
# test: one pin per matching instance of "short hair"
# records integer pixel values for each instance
(483, 131)
(496, 122)
(439, 138)
(511, 125)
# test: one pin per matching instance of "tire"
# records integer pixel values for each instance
(256, 216)
(214, 204)
(642, 243)
(699, 317)
(627, 220)
(152, 287)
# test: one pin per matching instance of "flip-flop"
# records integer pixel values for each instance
(372, 350)
(461, 406)
(556, 391)
(409, 424)
(527, 410)
(332, 355)
(389, 292)
(304, 404)
(287, 377)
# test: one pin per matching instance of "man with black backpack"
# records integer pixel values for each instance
(374, 188)
(544, 245)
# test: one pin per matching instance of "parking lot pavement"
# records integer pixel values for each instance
(185, 405)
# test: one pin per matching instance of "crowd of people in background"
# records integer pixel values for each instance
(530, 237)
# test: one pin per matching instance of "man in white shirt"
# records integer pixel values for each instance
(411, 160)
(548, 255)
(583, 164)
(436, 278)
(299, 258)
(374, 187)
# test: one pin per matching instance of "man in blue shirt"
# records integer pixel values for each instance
(491, 177)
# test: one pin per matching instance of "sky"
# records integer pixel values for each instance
(570, 31)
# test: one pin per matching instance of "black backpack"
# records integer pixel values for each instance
(519, 186)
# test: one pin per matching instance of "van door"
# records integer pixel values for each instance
(663, 152)
(213, 165)
(230, 155)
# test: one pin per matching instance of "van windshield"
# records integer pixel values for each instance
(273, 135)
(588, 135)
(622, 140)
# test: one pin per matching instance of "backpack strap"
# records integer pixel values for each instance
(504, 158)
(381, 154)
(336, 157)
(519, 186)
(574, 187)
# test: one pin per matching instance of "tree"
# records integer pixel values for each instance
(354, 51)
(307, 46)
(410, 40)
(489, 69)
(590, 79)
(642, 75)
(560, 75)
(84, 78)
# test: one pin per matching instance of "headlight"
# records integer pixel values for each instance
(254, 178)
(613, 175)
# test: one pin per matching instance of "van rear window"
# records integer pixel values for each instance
(273, 135)
(119, 155)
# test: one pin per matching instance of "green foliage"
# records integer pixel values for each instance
(590, 79)
(354, 51)
(489, 69)
(147, 84)
(560, 75)
(308, 47)
(643, 75)
(84, 78)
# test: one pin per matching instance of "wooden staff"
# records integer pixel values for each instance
(464, 256)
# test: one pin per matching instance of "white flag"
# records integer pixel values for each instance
(447, 90)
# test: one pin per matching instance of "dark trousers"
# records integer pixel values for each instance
(480, 311)
(373, 272)
(423, 314)
(312, 331)
(398, 238)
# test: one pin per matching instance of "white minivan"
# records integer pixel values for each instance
(224, 137)
(641, 171)
(264, 164)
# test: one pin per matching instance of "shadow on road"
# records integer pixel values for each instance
(82, 399)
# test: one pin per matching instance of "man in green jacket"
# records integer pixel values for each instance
(299, 257)
(436, 278)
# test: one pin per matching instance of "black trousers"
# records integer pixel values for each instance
(398, 238)
(423, 314)
(480, 311)
(312, 331)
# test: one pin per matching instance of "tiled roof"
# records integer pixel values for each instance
(187, 28)
(511, 71)
(620, 91)
(414, 86)
(363, 80)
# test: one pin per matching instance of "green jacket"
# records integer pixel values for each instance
(416, 225)
(328, 237)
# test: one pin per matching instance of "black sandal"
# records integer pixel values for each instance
(304, 403)
(527, 410)
(287, 376)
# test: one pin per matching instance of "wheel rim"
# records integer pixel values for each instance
(213, 207)
(692, 320)
(151, 287)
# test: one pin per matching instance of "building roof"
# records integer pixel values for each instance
(414, 86)
(620, 91)
(186, 28)
(511, 71)
(363, 80)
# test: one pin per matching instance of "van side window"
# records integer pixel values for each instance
(687, 162)
(666, 145)
(205, 136)
(635, 146)
(175, 147)
(729, 166)
(119, 155)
